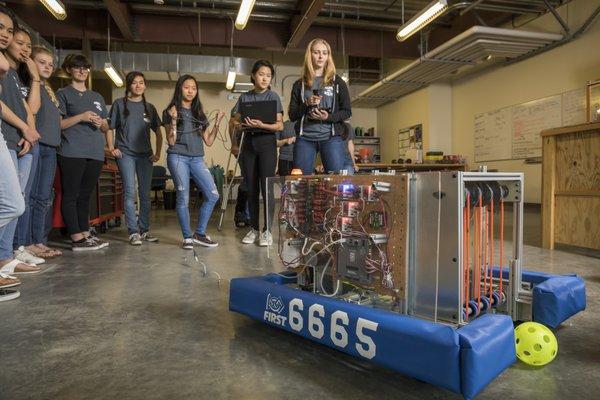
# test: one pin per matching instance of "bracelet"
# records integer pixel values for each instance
(35, 80)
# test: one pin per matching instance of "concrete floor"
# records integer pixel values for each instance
(143, 323)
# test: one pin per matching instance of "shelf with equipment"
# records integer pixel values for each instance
(370, 146)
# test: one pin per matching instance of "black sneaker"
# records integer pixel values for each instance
(204, 240)
(99, 242)
(85, 245)
(188, 244)
(147, 237)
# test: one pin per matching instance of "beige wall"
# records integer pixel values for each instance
(561, 69)
(407, 111)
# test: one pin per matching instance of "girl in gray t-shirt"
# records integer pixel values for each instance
(132, 118)
(187, 133)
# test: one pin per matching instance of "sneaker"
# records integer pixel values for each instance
(250, 237)
(147, 237)
(240, 220)
(135, 239)
(9, 294)
(188, 244)
(204, 240)
(101, 243)
(85, 245)
(266, 239)
(23, 255)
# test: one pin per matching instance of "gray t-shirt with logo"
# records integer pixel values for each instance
(313, 129)
(13, 95)
(47, 120)
(84, 139)
(189, 140)
(286, 152)
(132, 133)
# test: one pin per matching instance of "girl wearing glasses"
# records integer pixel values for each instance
(81, 152)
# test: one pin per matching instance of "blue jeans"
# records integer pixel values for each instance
(40, 198)
(23, 167)
(11, 201)
(332, 154)
(23, 230)
(182, 168)
(141, 166)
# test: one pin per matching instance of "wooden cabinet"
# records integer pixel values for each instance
(571, 186)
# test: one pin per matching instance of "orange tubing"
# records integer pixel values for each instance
(501, 241)
(491, 258)
(468, 245)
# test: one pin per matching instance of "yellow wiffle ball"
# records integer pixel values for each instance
(535, 344)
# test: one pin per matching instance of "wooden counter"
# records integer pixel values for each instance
(414, 167)
(571, 186)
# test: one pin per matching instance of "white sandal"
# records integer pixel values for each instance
(10, 268)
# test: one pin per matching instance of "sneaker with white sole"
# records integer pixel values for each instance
(204, 240)
(266, 239)
(101, 243)
(188, 244)
(135, 239)
(250, 237)
(147, 237)
(85, 245)
(23, 255)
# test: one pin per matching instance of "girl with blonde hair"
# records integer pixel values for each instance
(319, 105)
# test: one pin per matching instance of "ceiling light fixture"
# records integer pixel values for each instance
(422, 19)
(112, 73)
(110, 70)
(56, 8)
(244, 14)
(230, 78)
(231, 73)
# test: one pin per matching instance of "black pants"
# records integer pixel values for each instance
(284, 167)
(259, 159)
(78, 179)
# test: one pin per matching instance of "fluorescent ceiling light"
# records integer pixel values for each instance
(56, 7)
(113, 74)
(244, 14)
(230, 79)
(422, 19)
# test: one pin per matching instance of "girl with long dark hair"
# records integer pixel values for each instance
(259, 151)
(319, 105)
(81, 152)
(187, 133)
(132, 118)
(20, 135)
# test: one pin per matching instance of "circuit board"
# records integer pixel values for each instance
(346, 232)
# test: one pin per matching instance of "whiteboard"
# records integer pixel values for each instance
(529, 119)
(514, 132)
(493, 135)
(574, 107)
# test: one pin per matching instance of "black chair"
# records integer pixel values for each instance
(159, 180)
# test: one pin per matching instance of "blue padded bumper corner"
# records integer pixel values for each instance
(428, 351)
(555, 297)
(558, 298)
(487, 347)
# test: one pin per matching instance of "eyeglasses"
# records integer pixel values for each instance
(81, 69)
